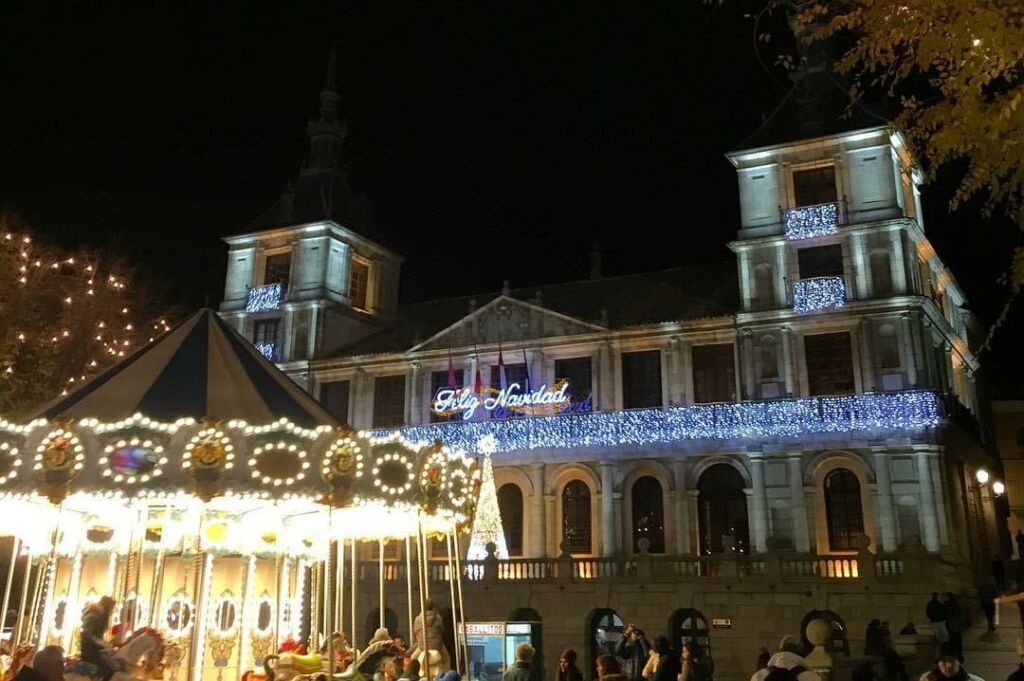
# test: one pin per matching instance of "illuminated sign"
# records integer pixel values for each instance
(484, 629)
(513, 398)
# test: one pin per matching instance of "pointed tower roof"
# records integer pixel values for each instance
(202, 368)
(321, 191)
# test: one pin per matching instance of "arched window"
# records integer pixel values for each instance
(722, 506)
(881, 274)
(843, 510)
(576, 516)
(689, 626)
(648, 515)
(767, 358)
(510, 506)
(605, 633)
(888, 347)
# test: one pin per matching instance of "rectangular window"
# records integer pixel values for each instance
(714, 373)
(577, 371)
(370, 550)
(265, 338)
(358, 283)
(334, 397)
(439, 380)
(514, 373)
(814, 185)
(277, 269)
(829, 364)
(641, 379)
(389, 401)
(820, 261)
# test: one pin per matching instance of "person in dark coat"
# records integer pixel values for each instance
(936, 613)
(668, 664)
(520, 670)
(567, 669)
(987, 596)
(999, 573)
(874, 644)
(95, 622)
(633, 648)
(1020, 544)
(48, 665)
(955, 622)
(1018, 673)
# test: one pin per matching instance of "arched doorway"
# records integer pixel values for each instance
(689, 626)
(648, 514)
(839, 643)
(373, 622)
(537, 639)
(843, 511)
(722, 509)
(604, 631)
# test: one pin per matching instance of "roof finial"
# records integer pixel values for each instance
(329, 95)
(504, 288)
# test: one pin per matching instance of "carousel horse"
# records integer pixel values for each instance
(289, 667)
(21, 657)
(140, 659)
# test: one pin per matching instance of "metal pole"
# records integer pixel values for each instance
(451, 593)
(462, 603)
(15, 550)
(339, 583)
(425, 559)
(408, 583)
(424, 649)
(352, 597)
(26, 580)
(380, 582)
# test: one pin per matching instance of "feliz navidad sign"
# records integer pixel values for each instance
(514, 398)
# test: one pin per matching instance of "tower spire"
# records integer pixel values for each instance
(329, 96)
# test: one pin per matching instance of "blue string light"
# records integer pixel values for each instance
(864, 413)
(819, 293)
(263, 298)
(807, 222)
(268, 350)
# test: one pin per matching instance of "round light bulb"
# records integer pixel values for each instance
(998, 487)
(982, 476)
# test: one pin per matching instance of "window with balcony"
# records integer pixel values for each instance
(648, 515)
(641, 379)
(265, 338)
(439, 380)
(820, 261)
(359, 283)
(843, 511)
(334, 396)
(813, 186)
(389, 401)
(576, 517)
(829, 361)
(577, 371)
(510, 507)
(277, 269)
(714, 373)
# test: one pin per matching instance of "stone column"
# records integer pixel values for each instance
(781, 297)
(883, 496)
(897, 262)
(553, 533)
(759, 527)
(605, 378)
(745, 278)
(950, 386)
(860, 268)
(682, 509)
(787, 360)
(675, 372)
(414, 395)
(940, 498)
(747, 354)
(801, 531)
(538, 529)
(929, 516)
(686, 372)
(868, 365)
(608, 525)
(908, 353)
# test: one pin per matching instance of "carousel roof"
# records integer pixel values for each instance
(202, 368)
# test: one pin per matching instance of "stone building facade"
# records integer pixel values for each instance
(733, 445)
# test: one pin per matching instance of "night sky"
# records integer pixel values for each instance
(494, 140)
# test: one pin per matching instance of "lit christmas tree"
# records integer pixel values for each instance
(487, 523)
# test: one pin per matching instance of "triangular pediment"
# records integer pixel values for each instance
(507, 320)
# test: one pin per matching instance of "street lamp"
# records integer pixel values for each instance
(982, 476)
(998, 487)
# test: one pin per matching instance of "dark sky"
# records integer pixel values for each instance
(494, 140)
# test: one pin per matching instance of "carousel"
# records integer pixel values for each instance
(198, 516)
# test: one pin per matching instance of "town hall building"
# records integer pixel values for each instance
(715, 452)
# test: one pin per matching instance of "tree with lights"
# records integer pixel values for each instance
(955, 67)
(487, 527)
(64, 316)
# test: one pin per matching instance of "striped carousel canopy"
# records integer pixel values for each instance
(202, 368)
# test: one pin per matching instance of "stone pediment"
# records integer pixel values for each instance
(506, 320)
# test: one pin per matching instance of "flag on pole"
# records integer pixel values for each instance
(451, 371)
(502, 380)
(478, 382)
(526, 367)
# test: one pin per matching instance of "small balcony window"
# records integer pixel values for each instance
(359, 283)
(278, 269)
(265, 338)
(814, 186)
